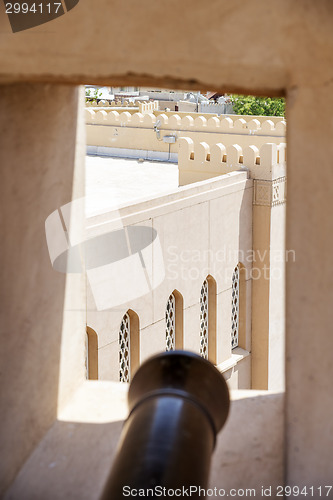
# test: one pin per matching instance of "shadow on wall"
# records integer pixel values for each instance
(33, 300)
(72, 461)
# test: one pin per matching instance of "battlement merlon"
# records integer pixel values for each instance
(125, 118)
(266, 163)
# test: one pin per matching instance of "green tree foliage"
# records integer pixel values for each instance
(252, 105)
(92, 94)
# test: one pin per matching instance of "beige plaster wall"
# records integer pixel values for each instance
(295, 42)
(38, 158)
(163, 105)
(279, 256)
(239, 375)
(72, 367)
(309, 312)
(261, 298)
(268, 297)
(292, 38)
(185, 106)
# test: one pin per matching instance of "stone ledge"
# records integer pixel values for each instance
(237, 355)
(74, 458)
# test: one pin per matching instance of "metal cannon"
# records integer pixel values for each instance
(178, 402)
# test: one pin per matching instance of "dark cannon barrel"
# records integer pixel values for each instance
(178, 403)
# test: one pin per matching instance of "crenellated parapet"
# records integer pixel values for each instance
(104, 103)
(199, 161)
(195, 122)
(122, 129)
(224, 125)
(143, 106)
(120, 118)
(245, 125)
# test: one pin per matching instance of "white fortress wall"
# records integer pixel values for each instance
(199, 228)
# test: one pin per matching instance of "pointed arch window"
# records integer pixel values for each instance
(174, 321)
(238, 307)
(235, 308)
(208, 319)
(124, 349)
(204, 304)
(170, 323)
(128, 346)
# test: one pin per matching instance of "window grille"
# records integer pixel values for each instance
(124, 349)
(204, 320)
(235, 308)
(170, 320)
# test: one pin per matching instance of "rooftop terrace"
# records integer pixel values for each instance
(115, 182)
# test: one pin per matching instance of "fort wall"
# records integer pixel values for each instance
(110, 132)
